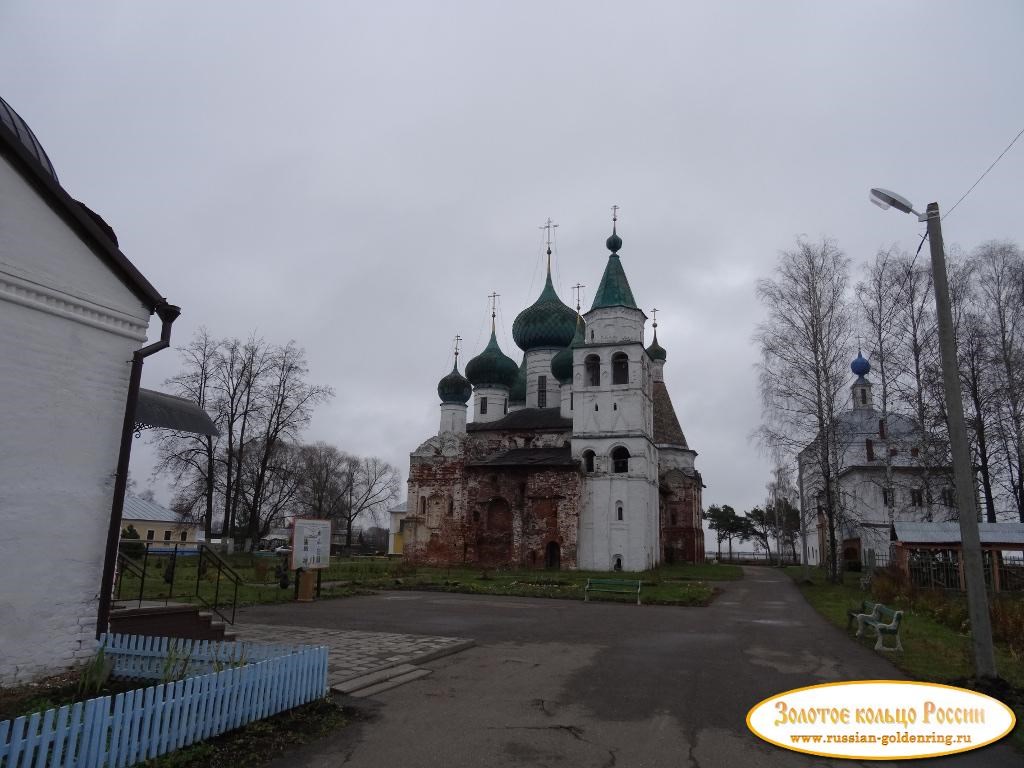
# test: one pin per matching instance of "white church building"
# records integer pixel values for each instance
(73, 312)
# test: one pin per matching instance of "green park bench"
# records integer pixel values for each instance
(620, 586)
(885, 621)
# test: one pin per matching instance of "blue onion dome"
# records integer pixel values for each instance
(454, 388)
(860, 366)
(546, 323)
(492, 367)
(656, 351)
(517, 394)
(561, 363)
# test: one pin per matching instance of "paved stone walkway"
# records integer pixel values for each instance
(352, 653)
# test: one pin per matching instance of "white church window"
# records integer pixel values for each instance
(620, 368)
(917, 497)
(618, 510)
(948, 497)
(483, 405)
(887, 497)
(542, 391)
(592, 365)
(620, 460)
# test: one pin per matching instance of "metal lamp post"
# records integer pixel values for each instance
(974, 575)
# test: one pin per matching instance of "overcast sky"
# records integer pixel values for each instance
(359, 176)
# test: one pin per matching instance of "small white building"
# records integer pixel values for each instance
(157, 524)
(73, 313)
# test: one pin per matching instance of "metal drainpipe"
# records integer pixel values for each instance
(167, 313)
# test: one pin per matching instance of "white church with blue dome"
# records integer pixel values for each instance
(882, 479)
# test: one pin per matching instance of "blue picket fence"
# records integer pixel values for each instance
(148, 722)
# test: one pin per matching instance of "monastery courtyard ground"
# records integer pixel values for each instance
(567, 683)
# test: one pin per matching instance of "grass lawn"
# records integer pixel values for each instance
(684, 584)
(932, 651)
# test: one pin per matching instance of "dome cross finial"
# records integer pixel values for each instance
(654, 313)
(493, 296)
(458, 340)
(579, 292)
(614, 242)
(549, 226)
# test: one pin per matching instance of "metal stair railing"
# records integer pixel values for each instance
(208, 558)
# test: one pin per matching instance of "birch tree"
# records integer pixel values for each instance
(805, 344)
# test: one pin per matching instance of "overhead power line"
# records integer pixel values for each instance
(1008, 147)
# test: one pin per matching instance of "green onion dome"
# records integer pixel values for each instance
(454, 388)
(492, 367)
(518, 392)
(561, 364)
(655, 351)
(546, 323)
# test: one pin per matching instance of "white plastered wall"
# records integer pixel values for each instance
(69, 328)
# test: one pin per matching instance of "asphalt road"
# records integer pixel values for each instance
(564, 683)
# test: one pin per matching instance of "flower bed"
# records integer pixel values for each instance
(208, 688)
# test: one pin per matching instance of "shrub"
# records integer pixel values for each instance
(131, 544)
(888, 584)
(1008, 622)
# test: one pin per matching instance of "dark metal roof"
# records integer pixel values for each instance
(949, 533)
(530, 457)
(19, 144)
(666, 424)
(11, 120)
(163, 411)
(527, 418)
(140, 509)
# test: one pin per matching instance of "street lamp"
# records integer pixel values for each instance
(974, 576)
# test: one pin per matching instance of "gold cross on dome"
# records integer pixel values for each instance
(579, 290)
(548, 225)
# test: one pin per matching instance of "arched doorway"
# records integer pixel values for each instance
(553, 556)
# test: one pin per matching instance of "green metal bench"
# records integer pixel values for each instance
(885, 621)
(620, 586)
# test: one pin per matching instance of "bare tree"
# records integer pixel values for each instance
(1000, 270)
(978, 374)
(285, 405)
(260, 401)
(269, 483)
(373, 487)
(882, 296)
(325, 472)
(804, 351)
(918, 390)
(188, 458)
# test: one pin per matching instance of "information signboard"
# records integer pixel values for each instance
(311, 544)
